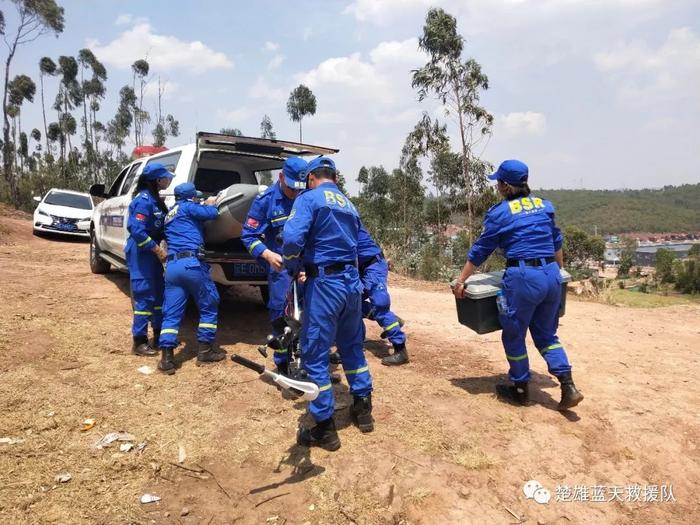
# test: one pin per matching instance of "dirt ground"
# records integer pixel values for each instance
(445, 450)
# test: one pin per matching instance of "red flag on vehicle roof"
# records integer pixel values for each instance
(145, 151)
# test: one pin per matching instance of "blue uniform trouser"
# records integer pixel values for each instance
(147, 303)
(278, 286)
(377, 303)
(332, 312)
(533, 296)
(185, 278)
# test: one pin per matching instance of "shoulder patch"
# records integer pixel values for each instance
(171, 214)
(252, 222)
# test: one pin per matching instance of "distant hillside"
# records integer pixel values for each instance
(671, 209)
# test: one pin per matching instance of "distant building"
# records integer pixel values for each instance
(646, 255)
(613, 253)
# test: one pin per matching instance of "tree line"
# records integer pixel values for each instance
(669, 209)
(74, 146)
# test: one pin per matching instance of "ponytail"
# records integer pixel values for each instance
(152, 187)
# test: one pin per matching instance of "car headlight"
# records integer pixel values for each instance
(42, 212)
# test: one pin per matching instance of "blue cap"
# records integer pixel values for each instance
(511, 171)
(155, 170)
(294, 171)
(321, 162)
(186, 190)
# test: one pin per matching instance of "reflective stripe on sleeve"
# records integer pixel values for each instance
(252, 246)
(144, 243)
(142, 312)
(392, 325)
(280, 218)
(325, 387)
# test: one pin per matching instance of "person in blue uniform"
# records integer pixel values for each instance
(186, 275)
(523, 227)
(320, 240)
(374, 273)
(144, 255)
(262, 237)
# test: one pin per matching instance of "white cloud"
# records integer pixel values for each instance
(276, 61)
(522, 123)
(641, 71)
(383, 12)
(235, 117)
(271, 46)
(380, 11)
(167, 87)
(381, 80)
(123, 20)
(163, 52)
(405, 52)
(261, 89)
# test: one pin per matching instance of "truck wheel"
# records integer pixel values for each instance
(97, 263)
(265, 294)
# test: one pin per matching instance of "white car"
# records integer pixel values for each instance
(65, 212)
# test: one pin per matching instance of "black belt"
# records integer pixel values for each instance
(312, 270)
(181, 255)
(370, 262)
(530, 262)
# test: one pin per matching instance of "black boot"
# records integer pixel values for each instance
(399, 357)
(322, 435)
(167, 362)
(570, 396)
(156, 339)
(335, 358)
(141, 347)
(362, 413)
(517, 393)
(209, 354)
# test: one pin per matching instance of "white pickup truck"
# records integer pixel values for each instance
(217, 165)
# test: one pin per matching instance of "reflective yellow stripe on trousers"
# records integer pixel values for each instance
(357, 370)
(550, 347)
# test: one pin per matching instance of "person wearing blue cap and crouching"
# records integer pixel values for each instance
(320, 240)
(144, 255)
(186, 275)
(262, 237)
(523, 227)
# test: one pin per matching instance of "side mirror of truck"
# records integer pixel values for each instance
(37, 198)
(98, 190)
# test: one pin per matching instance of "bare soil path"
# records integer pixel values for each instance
(445, 450)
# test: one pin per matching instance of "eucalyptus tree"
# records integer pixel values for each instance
(34, 19)
(302, 102)
(457, 83)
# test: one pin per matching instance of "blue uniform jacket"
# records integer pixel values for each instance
(145, 227)
(184, 228)
(366, 247)
(322, 228)
(523, 228)
(266, 219)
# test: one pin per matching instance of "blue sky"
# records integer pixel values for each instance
(590, 93)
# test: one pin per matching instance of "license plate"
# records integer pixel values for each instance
(248, 270)
(66, 227)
